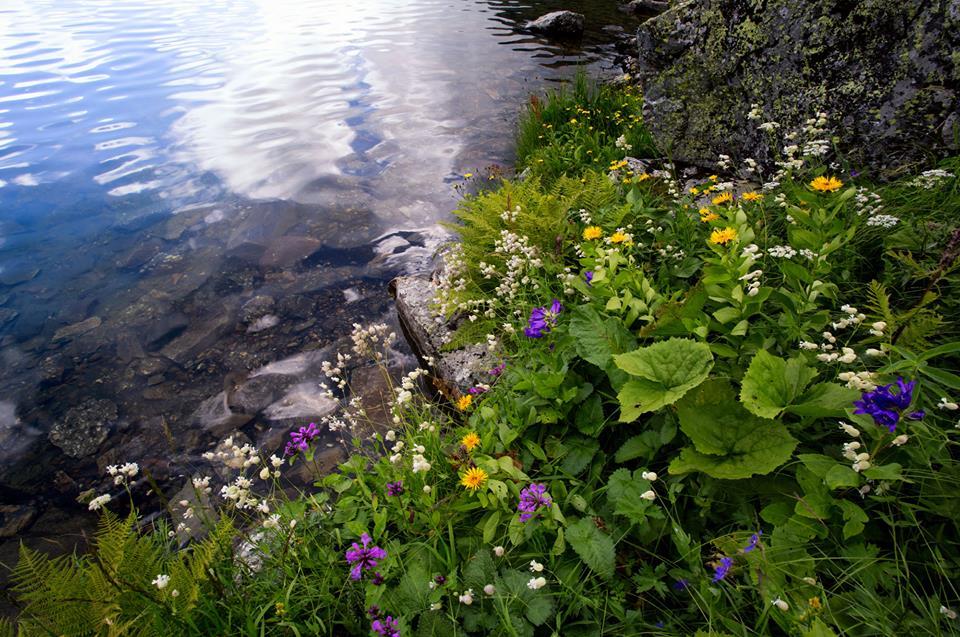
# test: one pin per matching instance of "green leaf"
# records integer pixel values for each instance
(539, 609)
(598, 338)
(771, 383)
(641, 446)
(729, 442)
(890, 471)
(490, 527)
(580, 453)
(819, 629)
(594, 547)
(841, 475)
(824, 400)
(661, 374)
(589, 418)
(624, 494)
(854, 517)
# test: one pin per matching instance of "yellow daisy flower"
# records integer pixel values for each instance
(618, 237)
(709, 217)
(592, 232)
(713, 178)
(471, 441)
(694, 190)
(826, 184)
(464, 402)
(643, 177)
(723, 197)
(751, 196)
(474, 478)
(720, 237)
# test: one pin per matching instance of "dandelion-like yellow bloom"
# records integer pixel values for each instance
(471, 441)
(709, 217)
(705, 211)
(592, 232)
(723, 197)
(573, 120)
(814, 603)
(474, 478)
(618, 237)
(464, 402)
(751, 196)
(826, 184)
(713, 178)
(694, 190)
(720, 237)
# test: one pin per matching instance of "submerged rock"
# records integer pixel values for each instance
(558, 24)
(77, 329)
(886, 74)
(84, 428)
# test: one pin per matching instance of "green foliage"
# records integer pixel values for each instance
(593, 546)
(660, 374)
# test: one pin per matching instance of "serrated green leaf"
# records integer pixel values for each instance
(598, 338)
(580, 452)
(729, 442)
(771, 383)
(641, 446)
(589, 418)
(539, 609)
(892, 471)
(661, 374)
(593, 546)
(624, 495)
(841, 475)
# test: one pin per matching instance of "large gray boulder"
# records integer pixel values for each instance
(558, 24)
(886, 72)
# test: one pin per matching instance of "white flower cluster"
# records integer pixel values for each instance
(781, 252)
(622, 144)
(510, 216)
(861, 460)
(335, 372)
(930, 179)
(407, 385)
(867, 202)
(752, 279)
(520, 258)
(536, 583)
(124, 472)
(99, 501)
(369, 341)
(883, 221)
(671, 251)
(815, 130)
(723, 162)
(201, 484)
(239, 493)
(451, 281)
(861, 381)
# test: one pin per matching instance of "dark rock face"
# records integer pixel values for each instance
(558, 24)
(885, 71)
(84, 428)
(646, 7)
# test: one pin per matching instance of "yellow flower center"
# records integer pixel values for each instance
(474, 478)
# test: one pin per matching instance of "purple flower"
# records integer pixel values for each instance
(395, 488)
(542, 319)
(440, 580)
(720, 571)
(496, 371)
(386, 626)
(753, 542)
(532, 498)
(681, 584)
(476, 390)
(377, 579)
(885, 406)
(373, 611)
(364, 558)
(917, 415)
(301, 438)
(588, 277)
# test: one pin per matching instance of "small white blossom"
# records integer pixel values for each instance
(498, 551)
(535, 566)
(850, 430)
(161, 581)
(649, 475)
(467, 598)
(900, 440)
(99, 501)
(536, 583)
(649, 495)
(782, 605)
(947, 404)
(489, 589)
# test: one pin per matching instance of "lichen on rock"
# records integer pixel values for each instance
(886, 72)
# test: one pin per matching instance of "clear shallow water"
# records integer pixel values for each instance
(162, 163)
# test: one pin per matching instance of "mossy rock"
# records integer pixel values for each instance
(886, 72)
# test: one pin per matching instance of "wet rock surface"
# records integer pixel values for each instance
(84, 428)
(558, 24)
(885, 72)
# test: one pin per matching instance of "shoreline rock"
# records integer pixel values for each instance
(558, 24)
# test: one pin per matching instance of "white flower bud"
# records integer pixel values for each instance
(782, 605)
(498, 551)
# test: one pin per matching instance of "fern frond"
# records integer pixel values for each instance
(878, 302)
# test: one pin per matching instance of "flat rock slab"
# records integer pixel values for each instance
(459, 369)
(84, 428)
(70, 331)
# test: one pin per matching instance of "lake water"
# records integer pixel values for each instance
(190, 190)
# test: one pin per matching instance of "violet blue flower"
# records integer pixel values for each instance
(377, 579)
(386, 626)
(395, 488)
(532, 498)
(542, 319)
(754, 539)
(476, 390)
(720, 571)
(681, 584)
(588, 277)
(496, 371)
(884, 406)
(364, 558)
(301, 438)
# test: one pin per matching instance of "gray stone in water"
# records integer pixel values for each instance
(84, 428)
(646, 7)
(559, 24)
(461, 368)
(71, 331)
(886, 72)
